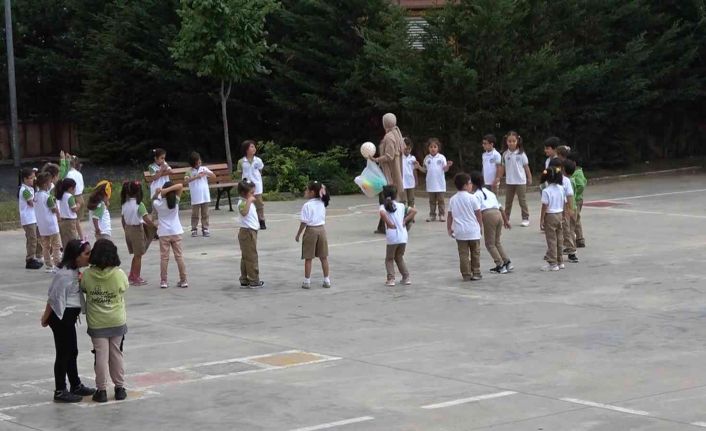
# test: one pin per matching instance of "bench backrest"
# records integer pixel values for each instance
(221, 171)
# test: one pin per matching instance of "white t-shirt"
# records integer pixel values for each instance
(133, 213)
(102, 214)
(491, 160)
(313, 212)
(27, 215)
(159, 182)
(515, 163)
(169, 223)
(65, 204)
(46, 219)
(253, 172)
(250, 220)
(78, 177)
(399, 234)
(200, 194)
(568, 188)
(489, 201)
(408, 180)
(462, 207)
(436, 180)
(554, 197)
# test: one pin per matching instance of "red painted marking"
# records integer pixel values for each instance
(603, 204)
(156, 378)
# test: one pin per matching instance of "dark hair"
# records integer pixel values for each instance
(244, 187)
(574, 157)
(104, 254)
(389, 193)
(194, 158)
(74, 162)
(52, 168)
(461, 180)
(569, 167)
(552, 142)
(245, 145)
(43, 178)
(408, 142)
(97, 197)
(22, 175)
(490, 138)
(72, 251)
(131, 189)
(320, 191)
(171, 196)
(434, 141)
(562, 151)
(158, 152)
(552, 174)
(520, 147)
(63, 186)
(478, 181)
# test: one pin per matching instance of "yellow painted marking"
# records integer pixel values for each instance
(288, 359)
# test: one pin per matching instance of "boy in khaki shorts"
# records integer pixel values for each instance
(315, 244)
(247, 237)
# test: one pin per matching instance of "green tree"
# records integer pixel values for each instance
(224, 40)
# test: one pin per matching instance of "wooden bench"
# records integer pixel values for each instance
(222, 182)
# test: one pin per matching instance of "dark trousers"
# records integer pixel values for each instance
(66, 348)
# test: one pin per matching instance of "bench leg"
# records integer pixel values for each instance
(230, 204)
(218, 198)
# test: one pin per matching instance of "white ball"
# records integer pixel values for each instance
(368, 150)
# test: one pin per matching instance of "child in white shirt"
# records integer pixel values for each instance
(68, 210)
(553, 202)
(313, 219)
(494, 219)
(47, 212)
(465, 224)
(70, 167)
(396, 216)
(247, 237)
(160, 171)
(435, 166)
(517, 175)
(492, 161)
(197, 179)
(98, 211)
(169, 229)
(250, 168)
(28, 218)
(409, 171)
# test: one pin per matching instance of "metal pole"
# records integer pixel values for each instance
(14, 136)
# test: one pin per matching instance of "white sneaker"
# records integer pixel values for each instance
(549, 267)
(561, 266)
(306, 285)
(50, 269)
(390, 283)
(524, 223)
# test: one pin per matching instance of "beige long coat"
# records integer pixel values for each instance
(390, 161)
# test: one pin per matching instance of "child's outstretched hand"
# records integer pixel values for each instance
(449, 163)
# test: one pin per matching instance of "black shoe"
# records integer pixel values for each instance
(66, 397)
(83, 390)
(33, 264)
(580, 243)
(100, 396)
(508, 266)
(256, 284)
(573, 258)
(120, 393)
(263, 226)
(496, 269)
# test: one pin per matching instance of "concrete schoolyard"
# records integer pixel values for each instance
(615, 342)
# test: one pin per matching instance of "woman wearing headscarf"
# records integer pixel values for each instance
(390, 151)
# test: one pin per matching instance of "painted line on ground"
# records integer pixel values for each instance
(699, 424)
(468, 400)
(606, 406)
(659, 213)
(6, 418)
(336, 424)
(22, 406)
(680, 192)
(143, 396)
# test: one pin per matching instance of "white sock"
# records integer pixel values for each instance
(327, 280)
(307, 280)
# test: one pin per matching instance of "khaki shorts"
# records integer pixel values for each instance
(135, 239)
(314, 243)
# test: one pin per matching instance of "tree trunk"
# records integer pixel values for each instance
(225, 94)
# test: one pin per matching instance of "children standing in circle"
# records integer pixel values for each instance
(28, 218)
(160, 171)
(250, 167)
(197, 179)
(313, 219)
(465, 224)
(68, 208)
(61, 313)
(169, 230)
(435, 166)
(247, 237)
(134, 219)
(47, 212)
(105, 284)
(409, 171)
(494, 218)
(517, 175)
(98, 212)
(396, 216)
(492, 161)
(553, 202)
(70, 167)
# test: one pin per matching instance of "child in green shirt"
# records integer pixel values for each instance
(579, 182)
